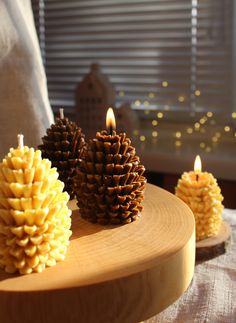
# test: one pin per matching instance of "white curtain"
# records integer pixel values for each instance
(24, 104)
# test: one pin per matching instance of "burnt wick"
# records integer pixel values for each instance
(111, 130)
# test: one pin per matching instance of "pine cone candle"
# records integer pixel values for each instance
(110, 182)
(202, 194)
(34, 218)
(63, 146)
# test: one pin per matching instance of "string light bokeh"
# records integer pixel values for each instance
(206, 128)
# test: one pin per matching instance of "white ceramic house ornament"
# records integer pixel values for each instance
(94, 94)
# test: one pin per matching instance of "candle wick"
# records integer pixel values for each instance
(197, 177)
(111, 130)
(20, 138)
(61, 113)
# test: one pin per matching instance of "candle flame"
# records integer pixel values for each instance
(197, 164)
(110, 120)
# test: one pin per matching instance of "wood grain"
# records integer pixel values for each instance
(111, 273)
(214, 246)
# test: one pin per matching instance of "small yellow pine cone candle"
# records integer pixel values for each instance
(200, 191)
(34, 218)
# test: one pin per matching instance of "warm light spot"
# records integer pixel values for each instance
(234, 115)
(214, 139)
(210, 114)
(121, 93)
(142, 138)
(178, 134)
(165, 83)
(178, 143)
(235, 134)
(197, 164)
(166, 107)
(181, 98)
(146, 112)
(189, 130)
(110, 120)
(146, 103)
(137, 102)
(202, 120)
(197, 92)
(160, 115)
(218, 134)
(151, 95)
(197, 125)
(154, 133)
(208, 149)
(226, 128)
(154, 123)
(136, 132)
(202, 145)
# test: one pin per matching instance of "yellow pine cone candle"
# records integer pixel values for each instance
(200, 191)
(34, 218)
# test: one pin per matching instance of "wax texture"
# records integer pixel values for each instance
(63, 145)
(34, 218)
(204, 198)
(110, 184)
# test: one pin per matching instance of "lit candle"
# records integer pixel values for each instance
(110, 121)
(110, 182)
(200, 191)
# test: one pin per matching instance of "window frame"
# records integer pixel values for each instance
(175, 114)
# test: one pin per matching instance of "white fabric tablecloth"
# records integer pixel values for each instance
(24, 105)
(211, 297)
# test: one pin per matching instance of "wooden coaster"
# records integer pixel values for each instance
(214, 246)
(111, 273)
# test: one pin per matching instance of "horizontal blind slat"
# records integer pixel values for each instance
(93, 3)
(139, 44)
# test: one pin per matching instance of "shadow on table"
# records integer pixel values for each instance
(81, 227)
(5, 276)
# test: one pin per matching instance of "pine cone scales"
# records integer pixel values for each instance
(63, 146)
(110, 184)
(34, 217)
(205, 200)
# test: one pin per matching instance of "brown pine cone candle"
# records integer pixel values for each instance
(110, 183)
(63, 146)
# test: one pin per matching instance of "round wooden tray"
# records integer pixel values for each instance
(111, 273)
(214, 246)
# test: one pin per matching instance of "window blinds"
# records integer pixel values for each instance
(162, 54)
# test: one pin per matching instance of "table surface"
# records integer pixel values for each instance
(212, 293)
(145, 265)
